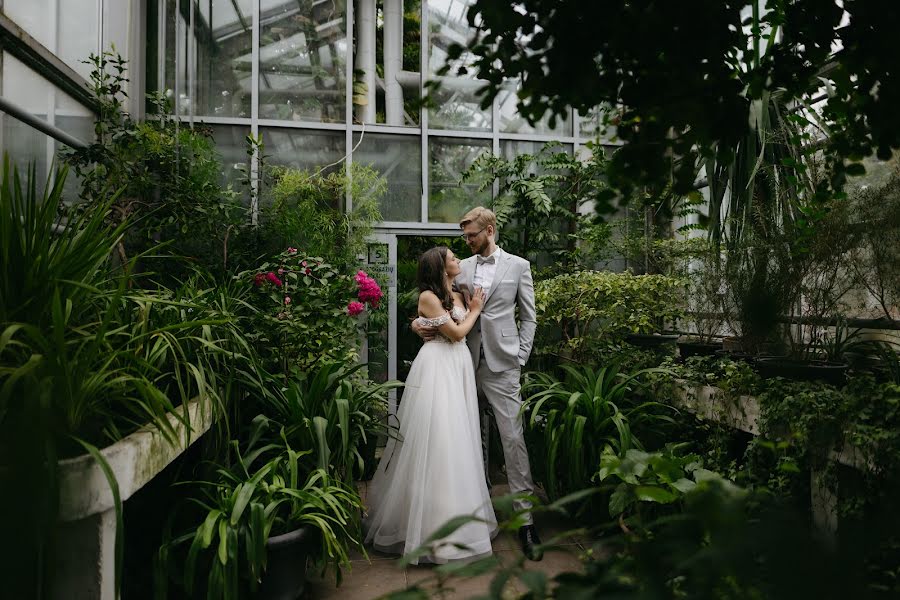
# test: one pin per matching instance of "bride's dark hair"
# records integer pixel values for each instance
(432, 275)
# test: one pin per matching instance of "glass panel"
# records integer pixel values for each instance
(448, 198)
(591, 126)
(374, 62)
(303, 56)
(456, 104)
(117, 19)
(399, 159)
(176, 70)
(304, 148)
(512, 122)
(29, 90)
(509, 149)
(231, 145)
(24, 146)
(71, 34)
(222, 49)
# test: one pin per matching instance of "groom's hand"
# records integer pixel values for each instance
(426, 332)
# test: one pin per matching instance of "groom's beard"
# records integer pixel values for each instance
(479, 248)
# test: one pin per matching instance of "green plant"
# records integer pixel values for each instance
(661, 477)
(540, 198)
(569, 422)
(305, 311)
(86, 357)
(297, 205)
(594, 309)
(331, 411)
(245, 506)
(727, 62)
(167, 176)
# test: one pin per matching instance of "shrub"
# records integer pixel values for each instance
(593, 309)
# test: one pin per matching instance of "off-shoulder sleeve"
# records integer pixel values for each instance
(435, 322)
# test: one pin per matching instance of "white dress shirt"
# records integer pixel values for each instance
(484, 273)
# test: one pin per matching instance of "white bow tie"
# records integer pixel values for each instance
(481, 260)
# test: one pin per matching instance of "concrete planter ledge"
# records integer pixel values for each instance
(85, 560)
(135, 460)
(711, 403)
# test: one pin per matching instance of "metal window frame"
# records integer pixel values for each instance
(351, 128)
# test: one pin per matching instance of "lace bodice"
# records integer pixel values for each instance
(458, 313)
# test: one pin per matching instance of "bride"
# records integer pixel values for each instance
(434, 471)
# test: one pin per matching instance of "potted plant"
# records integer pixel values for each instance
(819, 336)
(259, 526)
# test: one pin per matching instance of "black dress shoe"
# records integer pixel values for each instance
(530, 541)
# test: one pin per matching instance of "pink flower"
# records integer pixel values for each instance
(281, 271)
(291, 250)
(259, 279)
(308, 271)
(287, 300)
(368, 290)
(303, 263)
(354, 308)
(273, 278)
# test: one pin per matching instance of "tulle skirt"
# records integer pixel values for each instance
(434, 471)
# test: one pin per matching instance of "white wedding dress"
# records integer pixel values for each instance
(434, 471)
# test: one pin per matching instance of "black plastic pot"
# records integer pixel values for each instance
(285, 576)
(802, 370)
(650, 340)
(688, 348)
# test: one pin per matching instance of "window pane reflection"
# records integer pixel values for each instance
(304, 149)
(222, 51)
(303, 56)
(456, 103)
(512, 122)
(449, 198)
(231, 144)
(399, 159)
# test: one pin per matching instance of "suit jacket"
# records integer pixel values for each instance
(506, 345)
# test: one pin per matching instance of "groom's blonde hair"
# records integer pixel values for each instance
(481, 216)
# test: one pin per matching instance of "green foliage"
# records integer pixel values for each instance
(595, 308)
(569, 422)
(727, 57)
(661, 477)
(876, 261)
(84, 358)
(167, 177)
(301, 312)
(246, 505)
(307, 209)
(331, 411)
(540, 197)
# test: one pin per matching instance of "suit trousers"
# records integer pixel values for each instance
(503, 393)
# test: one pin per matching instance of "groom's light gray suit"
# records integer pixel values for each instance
(499, 349)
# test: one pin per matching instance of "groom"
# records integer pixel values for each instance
(499, 348)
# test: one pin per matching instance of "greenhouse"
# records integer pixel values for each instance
(449, 298)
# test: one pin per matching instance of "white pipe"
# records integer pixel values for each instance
(365, 57)
(393, 61)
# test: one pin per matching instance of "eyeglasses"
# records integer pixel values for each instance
(472, 236)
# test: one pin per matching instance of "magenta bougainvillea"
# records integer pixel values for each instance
(354, 308)
(368, 289)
